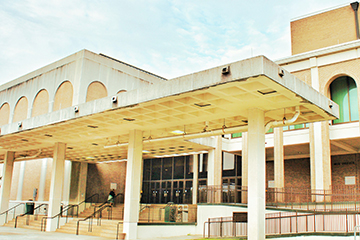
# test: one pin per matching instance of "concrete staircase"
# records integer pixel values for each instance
(107, 229)
(117, 212)
(27, 221)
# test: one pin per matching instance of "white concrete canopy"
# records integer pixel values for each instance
(188, 104)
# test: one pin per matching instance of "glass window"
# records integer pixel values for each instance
(167, 168)
(156, 169)
(179, 167)
(203, 165)
(344, 92)
(189, 167)
(147, 166)
(236, 135)
(297, 126)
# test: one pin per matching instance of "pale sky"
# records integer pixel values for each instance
(168, 38)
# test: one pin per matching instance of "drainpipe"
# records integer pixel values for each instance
(283, 122)
(355, 7)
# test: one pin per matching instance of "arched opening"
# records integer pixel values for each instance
(20, 112)
(41, 103)
(64, 96)
(343, 91)
(4, 114)
(121, 91)
(96, 90)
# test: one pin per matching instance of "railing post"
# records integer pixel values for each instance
(314, 222)
(347, 227)
(209, 227)
(279, 222)
(221, 225)
(296, 213)
(77, 228)
(234, 228)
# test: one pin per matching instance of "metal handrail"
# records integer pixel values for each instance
(117, 229)
(7, 211)
(91, 217)
(106, 202)
(28, 213)
(66, 208)
(84, 202)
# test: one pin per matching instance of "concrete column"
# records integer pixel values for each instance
(215, 171)
(195, 178)
(320, 158)
(133, 183)
(42, 179)
(6, 184)
(67, 181)
(21, 181)
(56, 187)
(279, 174)
(256, 171)
(82, 185)
(78, 184)
(244, 167)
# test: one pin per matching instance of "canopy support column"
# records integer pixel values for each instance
(256, 176)
(133, 184)
(56, 187)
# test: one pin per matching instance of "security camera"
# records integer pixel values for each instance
(76, 109)
(114, 99)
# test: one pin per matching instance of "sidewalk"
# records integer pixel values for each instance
(7, 233)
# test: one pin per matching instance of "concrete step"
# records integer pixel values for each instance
(108, 228)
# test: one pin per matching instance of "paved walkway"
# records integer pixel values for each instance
(21, 233)
(8, 233)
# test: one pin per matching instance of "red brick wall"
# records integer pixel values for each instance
(297, 173)
(101, 175)
(343, 166)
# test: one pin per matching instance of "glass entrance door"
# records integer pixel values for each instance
(155, 192)
(166, 192)
(229, 190)
(178, 191)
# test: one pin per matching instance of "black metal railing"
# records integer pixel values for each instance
(67, 211)
(29, 212)
(92, 198)
(106, 202)
(8, 211)
(98, 215)
(289, 223)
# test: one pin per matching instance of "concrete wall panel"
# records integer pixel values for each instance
(95, 91)
(21, 109)
(41, 103)
(4, 114)
(64, 96)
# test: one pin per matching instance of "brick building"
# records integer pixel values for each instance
(89, 101)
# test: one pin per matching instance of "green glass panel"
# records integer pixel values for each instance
(271, 130)
(236, 135)
(299, 126)
(339, 94)
(354, 109)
